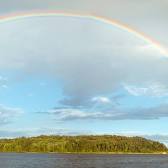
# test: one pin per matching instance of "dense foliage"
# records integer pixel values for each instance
(81, 144)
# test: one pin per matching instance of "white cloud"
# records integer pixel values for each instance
(154, 90)
(4, 86)
(73, 114)
(3, 82)
(101, 99)
(30, 94)
(43, 84)
(3, 78)
(7, 114)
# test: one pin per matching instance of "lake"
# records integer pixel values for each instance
(13, 160)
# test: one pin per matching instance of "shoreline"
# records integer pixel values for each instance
(88, 153)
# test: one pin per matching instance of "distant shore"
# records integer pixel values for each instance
(85, 144)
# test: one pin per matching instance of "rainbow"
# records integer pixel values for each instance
(138, 34)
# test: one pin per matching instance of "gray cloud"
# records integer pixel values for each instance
(141, 113)
(90, 58)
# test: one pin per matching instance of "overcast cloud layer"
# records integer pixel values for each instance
(91, 58)
(147, 16)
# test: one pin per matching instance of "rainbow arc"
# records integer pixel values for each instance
(113, 22)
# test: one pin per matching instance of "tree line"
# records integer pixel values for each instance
(82, 144)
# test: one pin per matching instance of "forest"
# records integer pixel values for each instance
(82, 144)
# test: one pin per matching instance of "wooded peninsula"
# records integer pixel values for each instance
(82, 144)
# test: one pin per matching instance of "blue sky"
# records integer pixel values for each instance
(67, 75)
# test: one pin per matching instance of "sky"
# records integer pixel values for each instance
(71, 75)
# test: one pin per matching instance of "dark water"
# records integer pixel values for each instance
(82, 161)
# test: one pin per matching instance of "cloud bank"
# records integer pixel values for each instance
(91, 57)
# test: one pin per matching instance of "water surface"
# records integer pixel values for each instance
(13, 160)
